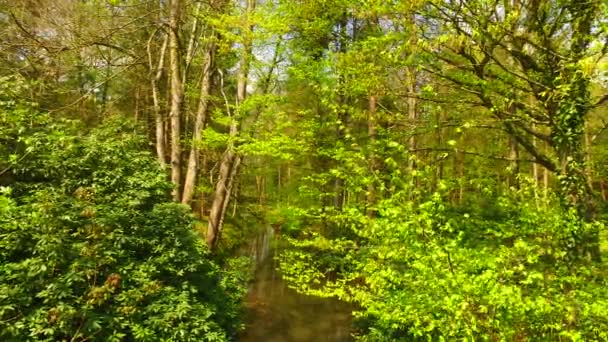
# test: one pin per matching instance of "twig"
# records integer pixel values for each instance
(10, 167)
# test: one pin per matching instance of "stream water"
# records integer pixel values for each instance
(277, 313)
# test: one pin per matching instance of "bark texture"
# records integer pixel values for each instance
(199, 125)
(177, 97)
(159, 120)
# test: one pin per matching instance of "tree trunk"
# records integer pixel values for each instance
(412, 116)
(230, 186)
(513, 163)
(192, 44)
(259, 183)
(177, 97)
(545, 182)
(412, 110)
(279, 179)
(221, 196)
(439, 132)
(459, 160)
(573, 105)
(231, 160)
(158, 116)
(137, 100)
(588, 168)
(199, 126)
(535, 173)
(203, 195)
(372, 133)
(228, 171)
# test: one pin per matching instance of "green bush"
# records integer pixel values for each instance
(92, 248)
(499, 270)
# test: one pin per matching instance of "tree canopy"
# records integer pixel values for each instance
(441, 165)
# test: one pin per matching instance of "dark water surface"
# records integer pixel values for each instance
(279, 314)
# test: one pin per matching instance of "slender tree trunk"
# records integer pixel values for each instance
(199, 126)
(202, 194)
(279, 178)
(288, 181)
(342, 114)
(259, 187)
(461, 176)
(158, 116)
(546, 181)
(230, 186)
(412, 116)
(514, 158)
(137, 100)
(231, 160)
(221, 196)
(513, 163)
(412, 103)
(535, 173)
(372, 134)
(228, 171)
(588, 168)
(192, 44)
(438, 175)
(177, 97)
(106, 84)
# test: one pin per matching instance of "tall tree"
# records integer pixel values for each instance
(199, 122)
(177, 95)
(156, 73)
(231, 159)
(505, 52)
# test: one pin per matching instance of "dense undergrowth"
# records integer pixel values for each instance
(496, 267)
(91, 246)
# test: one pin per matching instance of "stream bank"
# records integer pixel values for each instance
(276, 313)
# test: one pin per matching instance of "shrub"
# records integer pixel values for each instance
(498, 270)
(92, 248)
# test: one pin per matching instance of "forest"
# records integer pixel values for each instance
(436, 168)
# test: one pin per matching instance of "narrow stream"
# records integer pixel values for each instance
(277, 313)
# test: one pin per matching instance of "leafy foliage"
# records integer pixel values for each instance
(390, 142)
(91, 247)
(497, 269)
(426, 120)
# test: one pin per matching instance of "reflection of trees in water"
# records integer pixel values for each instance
(279, 314)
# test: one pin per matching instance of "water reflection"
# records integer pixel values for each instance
(279, 314)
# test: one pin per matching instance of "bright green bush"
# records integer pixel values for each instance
(429, 270)
(92, 248)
